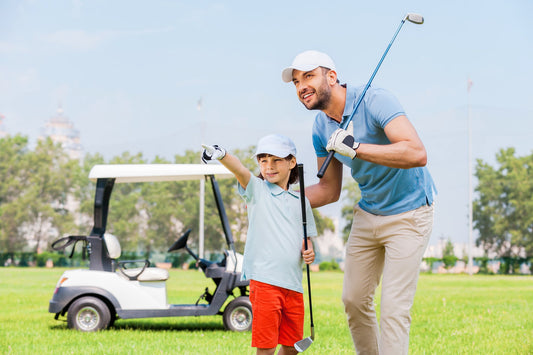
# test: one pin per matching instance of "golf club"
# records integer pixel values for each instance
(303, 344)
(414, 18)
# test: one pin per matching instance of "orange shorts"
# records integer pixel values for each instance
(278, 315)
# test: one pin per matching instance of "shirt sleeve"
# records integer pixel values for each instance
(383, 106)
(248, 193)
(320, 137)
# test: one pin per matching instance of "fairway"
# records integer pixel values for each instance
(453, 314)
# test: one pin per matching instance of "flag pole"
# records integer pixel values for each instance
(202, 188)
(470, 193)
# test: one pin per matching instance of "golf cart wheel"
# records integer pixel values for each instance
(238, 315)
(88, 314)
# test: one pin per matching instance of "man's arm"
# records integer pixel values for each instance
(328, 189)
(405, 151)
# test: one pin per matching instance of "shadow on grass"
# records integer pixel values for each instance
(162, 325)
(156, 325)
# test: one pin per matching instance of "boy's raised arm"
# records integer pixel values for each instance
(231, 162)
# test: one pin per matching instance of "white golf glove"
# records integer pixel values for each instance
(343, 143)
(212, 152)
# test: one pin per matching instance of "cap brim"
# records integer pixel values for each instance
(275, 152)
(286, 74)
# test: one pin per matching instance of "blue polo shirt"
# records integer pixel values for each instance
(272, 253)
(384, 190)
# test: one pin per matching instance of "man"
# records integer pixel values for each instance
(393, 220)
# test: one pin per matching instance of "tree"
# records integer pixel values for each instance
(503, 209)
(34, 195)
(448, 255)
(13, 151)
(50, 182)
(323, 223)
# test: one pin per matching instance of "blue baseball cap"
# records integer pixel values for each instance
(277, 145)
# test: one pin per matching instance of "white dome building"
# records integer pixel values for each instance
(61, 130)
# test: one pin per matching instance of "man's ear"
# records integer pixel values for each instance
(332, 77)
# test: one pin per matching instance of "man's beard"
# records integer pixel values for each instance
(323, 96)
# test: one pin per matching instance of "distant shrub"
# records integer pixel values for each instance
(192, 265)
(329, 265)
(449, 261)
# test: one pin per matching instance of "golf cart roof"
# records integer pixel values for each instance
(157, 172)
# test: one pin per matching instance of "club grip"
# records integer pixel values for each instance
(324, 166)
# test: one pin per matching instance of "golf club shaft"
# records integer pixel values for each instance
(345, 124)
(310, 303)
(304, 223)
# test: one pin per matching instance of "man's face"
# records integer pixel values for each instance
(312, 88)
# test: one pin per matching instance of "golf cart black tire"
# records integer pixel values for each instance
(112, 320)
(238, 315)
(96, 312)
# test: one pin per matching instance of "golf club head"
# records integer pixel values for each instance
(415, 18)
(303, 344)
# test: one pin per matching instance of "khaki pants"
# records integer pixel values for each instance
(391, 246)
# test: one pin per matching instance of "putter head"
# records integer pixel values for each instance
(303, 344)
(415, 18)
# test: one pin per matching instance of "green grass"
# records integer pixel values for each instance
(453, 314)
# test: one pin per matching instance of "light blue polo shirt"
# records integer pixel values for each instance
(272, 253)
(384, 190)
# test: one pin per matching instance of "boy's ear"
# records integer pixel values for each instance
(293, 162)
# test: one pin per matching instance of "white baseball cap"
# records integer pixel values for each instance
(277, 145)
(306, 61)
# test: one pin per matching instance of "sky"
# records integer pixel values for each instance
(130, 76)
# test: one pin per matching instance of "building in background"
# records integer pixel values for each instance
(61, 130)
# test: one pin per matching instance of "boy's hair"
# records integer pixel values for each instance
(293, 177)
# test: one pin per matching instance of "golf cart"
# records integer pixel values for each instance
(93, 299)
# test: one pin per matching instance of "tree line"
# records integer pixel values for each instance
(45, 195)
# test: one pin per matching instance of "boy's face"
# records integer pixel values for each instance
(276, 170)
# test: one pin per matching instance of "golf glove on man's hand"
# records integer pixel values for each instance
(212, 152)
(343, 143)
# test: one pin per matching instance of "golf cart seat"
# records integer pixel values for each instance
(144, 273)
